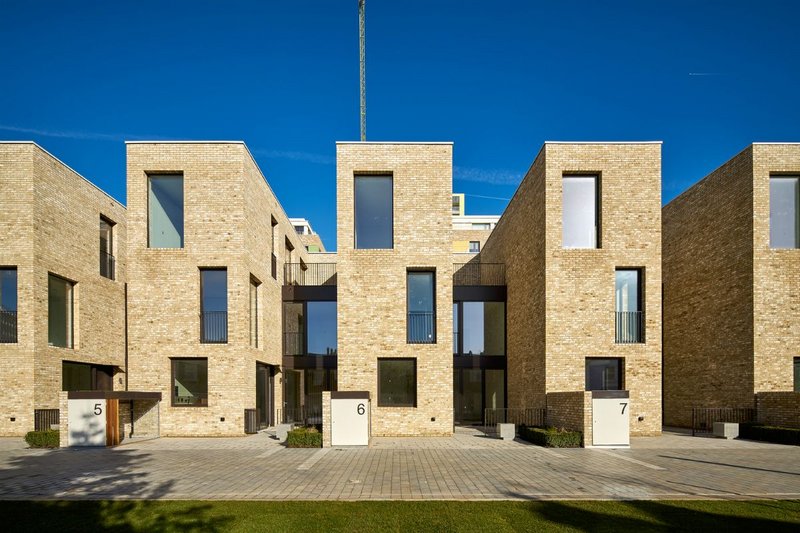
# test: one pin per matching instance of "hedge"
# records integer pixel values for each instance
(778, 435)
(42, 439)
(551, 437)
(304, 438)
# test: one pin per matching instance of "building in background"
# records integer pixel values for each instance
(310, 239)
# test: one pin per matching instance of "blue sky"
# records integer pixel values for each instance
(497, 78)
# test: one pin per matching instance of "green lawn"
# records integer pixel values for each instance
(157, 516)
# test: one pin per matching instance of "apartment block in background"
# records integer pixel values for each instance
(580, 242)
(310, 239)
(209, 250)
(732, 289)
(62, 287)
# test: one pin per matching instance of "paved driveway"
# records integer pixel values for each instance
(467, 466)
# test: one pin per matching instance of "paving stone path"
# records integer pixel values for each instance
(466, 466)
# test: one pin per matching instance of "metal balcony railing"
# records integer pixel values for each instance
(214, 327)
(107, 265)
(8, 326)
(629, 327)
(479, 274)
(309, 274)
(421, 327)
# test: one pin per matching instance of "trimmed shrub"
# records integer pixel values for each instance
(778, 435)
(42, 439)
(551, 437)
(304, 438)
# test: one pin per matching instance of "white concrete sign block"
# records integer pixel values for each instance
(349, 422)
(611, 421)
(87, 422)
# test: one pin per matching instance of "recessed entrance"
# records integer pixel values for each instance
(265, 395)
(474, 390)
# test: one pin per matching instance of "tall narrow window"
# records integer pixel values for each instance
(784, 212)
(456, 328)
(274, 231)
(165, 211)
(629, 314)
(107, 265)
(421, 328)
(321, 322)
(214, 305)
(60, 314)
(604, 374)
(580, 217)
(397, 382)
(797, 374)
(254, 283)
(373, 212)
(190, 382)
(8, 305)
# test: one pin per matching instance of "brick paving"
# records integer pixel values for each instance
(466, 466)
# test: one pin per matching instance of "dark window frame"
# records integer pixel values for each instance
(640, 302)
(94, 370)
(110, 260)
(380, 402)
(460, 332)
(160, 174)
(598, 214)
(372, 175)
(620, 371)
(71, 334)
(422, 270)
(202, 310)
(11, 320)
(172, 361)
(784, 176)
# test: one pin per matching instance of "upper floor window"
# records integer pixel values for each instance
(374, 212)
(107, 265)
(213, 305)
(254, 285)
(580, 212)
(273, 237)
(60, 312)
(474, 247)
(784, 212)
(165, 211)
(479, 328)
(83, 376)
(309, 328)
(8, 304)
(628, 306)
(481, 225)
(421, 289)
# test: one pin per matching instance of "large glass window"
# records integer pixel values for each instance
(165, 211)
(293, 328)
(254, 283)
(85, 376)
(321, 322)
(629, 315)
(784, 212)
(421, 307)
(8, 305)
(190, 382)
(59, 312)
(373, 212)
(580, 212)
(106, 248)
(483, 328)
(214, 305)
(797, 374)
(604, 374)
(397, 382)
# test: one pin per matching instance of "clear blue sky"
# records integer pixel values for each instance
(497, 78)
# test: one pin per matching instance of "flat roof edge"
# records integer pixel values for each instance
(395, 142)
(184, 142)
(778, 143)
(604, 142)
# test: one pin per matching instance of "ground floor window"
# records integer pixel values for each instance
(85, 376)
(190, 382)
(604, 374)
(797, 374)
(397, 382)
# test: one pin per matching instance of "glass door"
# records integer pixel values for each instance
(265, 395)
(468, 396)
(291, 396)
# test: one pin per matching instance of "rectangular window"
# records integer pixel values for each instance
(397, 382)
(456, 328)
(580, 212)
(797, 374)
(273, 236)
(481, 225)
(784, 212)
(8, 305)
(60, 312)
(165, 211)
(294, 331)
(474, 247)
(84, 376)
(321, 327)
(374, 212)
(484, 328)
(189, 382)
(213, 305)
(254, 284)
(628, 306)
(604, 374)
(107, 265)
(421, 302)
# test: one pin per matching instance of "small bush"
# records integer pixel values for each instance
(304, 438)
(42, 439)
(551, 437)
(778, 435)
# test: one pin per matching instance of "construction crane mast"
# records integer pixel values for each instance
(362, 59)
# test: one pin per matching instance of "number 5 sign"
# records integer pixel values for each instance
(87, 422)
